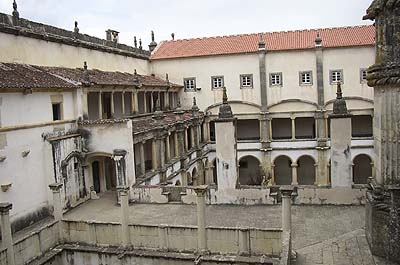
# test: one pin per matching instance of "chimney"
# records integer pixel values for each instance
(112, 35)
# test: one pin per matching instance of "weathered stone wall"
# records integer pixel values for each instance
(256, 195)
(223, 240)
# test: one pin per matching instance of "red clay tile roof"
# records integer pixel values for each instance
(21, 76)
(147, 123)
(275, 41)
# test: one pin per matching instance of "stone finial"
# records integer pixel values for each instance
(135, 41)
(318, 41)
(173, 36)
(166, 78)
(140, 44)
(225, 110)
(86, 78)
(5, 208)
(152, 44)
(158, 114)
(178, 104)
(339, 105)
(76, 29)
(261, 43)
(195, 108)
(135, 72)
(15, 14)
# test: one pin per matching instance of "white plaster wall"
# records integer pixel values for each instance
(290, 63)
(33, 51)
(20, 109)
(231, 67)
(30, 175)
(106, 138)
(350, 60)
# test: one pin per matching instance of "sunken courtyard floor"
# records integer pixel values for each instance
(321, 234)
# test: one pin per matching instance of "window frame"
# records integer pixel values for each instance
(362, 81)
(194, 84)
(250, 76)
(212, 82)
(301, 83)
(331, 77)
(280, 74)
(60, 110)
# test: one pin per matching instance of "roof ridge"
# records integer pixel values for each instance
(266, 32)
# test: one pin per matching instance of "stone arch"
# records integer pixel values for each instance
(306, 170)
(102, 172)
(249, 171)
(283, 170)
(362, 169)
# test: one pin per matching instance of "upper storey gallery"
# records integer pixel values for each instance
(300, 65)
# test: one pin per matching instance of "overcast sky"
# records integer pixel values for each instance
(189, 18)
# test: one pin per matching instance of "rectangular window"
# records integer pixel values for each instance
(56, 111)
(363, 75)
(275, 79)
(306, 78)
(246, 81)
(336, 76)
(217, 82)
(189, 84)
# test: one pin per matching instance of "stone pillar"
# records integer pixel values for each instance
(167, 147)
(142, 159)
(293, 128)
(120, 166)
(286, 192)
(341, 173)
(100, 105)
(265, 135)
(321, 176)
(294, 174)
(57, 208)
(177, 154)
(201, 218)
(152, 102)
(7, 240)
(154, 156)
(207, 131)
(209, 173)
(145, 103)
(123, 103)
(244, 241)
(166, 100)
(192, 140)
(124, 200)
(186, 140)
(133, 105)
(226, 146)
(85, 108)
(112, 105)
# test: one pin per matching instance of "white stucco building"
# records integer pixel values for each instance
(66, 121)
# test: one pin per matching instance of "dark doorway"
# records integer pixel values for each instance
(96, 176)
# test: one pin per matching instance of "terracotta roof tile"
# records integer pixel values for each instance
(21, 76)
(275, 41)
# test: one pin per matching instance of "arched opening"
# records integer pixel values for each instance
(103, 174)
(283, 170)
(362, 169)
(306, 170)
(215, 178)
(189, 180)
(195, 177)
(249, 171)
(96, 176)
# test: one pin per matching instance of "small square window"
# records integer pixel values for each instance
(56, 111)
(336, 76)
(246, 81)
(306, 78)
(189, 84)
(363, 75)
(275, 79)
(217, 82)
